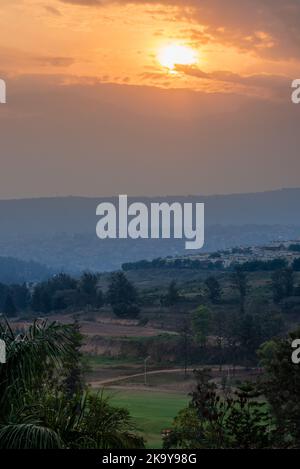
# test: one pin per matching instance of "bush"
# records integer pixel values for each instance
(126, 310)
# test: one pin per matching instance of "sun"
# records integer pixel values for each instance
(176, 54)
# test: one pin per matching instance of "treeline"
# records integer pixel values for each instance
(63, 292)
(231, 337)
(214, 334)
(283, 285)
(267, 266)
(58, 293)
(294, 247)
(249, 266)
(13, 298)
(14, 271)
(168, 263)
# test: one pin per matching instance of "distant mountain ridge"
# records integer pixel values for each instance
(61, 232)
(78, 214)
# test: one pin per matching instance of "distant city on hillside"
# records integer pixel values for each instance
(60, 233)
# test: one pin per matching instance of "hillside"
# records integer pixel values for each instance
(17, 271)
(60, 232)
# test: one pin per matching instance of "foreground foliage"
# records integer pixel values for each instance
(42, 400)
(211, 421)
(261, 415)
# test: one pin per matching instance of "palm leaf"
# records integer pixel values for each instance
(28, 436)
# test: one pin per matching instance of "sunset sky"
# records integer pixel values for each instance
(98, 105)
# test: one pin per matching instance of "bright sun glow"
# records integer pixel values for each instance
(175, 54)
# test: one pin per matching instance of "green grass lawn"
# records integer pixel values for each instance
(152, 411)
(102, 360)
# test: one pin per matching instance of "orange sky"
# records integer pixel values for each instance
(118, 42)
(91, 111)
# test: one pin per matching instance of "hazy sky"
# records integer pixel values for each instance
(166, 97)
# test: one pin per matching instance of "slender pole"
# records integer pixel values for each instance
(145, 370)
(185, 355)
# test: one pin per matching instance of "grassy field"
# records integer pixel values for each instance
(152, 411)
(94, 361)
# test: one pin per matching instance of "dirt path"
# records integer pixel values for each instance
(97, 384)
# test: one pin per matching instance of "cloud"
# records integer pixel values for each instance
(154, 75)
(55, 61)
(277, 85)
(54, 11)
(267, 28)
(15, 61)
(85, 3)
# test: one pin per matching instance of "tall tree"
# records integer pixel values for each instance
(9, 307)
(185, 335)
(240, 421)
(72, 369)
(89, 291)
(240, 282)
(282, 284)
(21, 296)
(282, 387)
(122, 296)
(214, 289)
(172, 296)
(201, 324)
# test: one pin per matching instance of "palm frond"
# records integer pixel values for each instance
(28, 436)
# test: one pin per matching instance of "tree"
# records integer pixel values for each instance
(122, 296)
(88, 283)
(249, 337)
(41, 299)
(241, 284)
(201, 324)
(296, 264)
(282, 387)
(4, 291)
(249, 422)
(25, 372)
(172, 296)
(21, 296)
(9, 308)
(89, 292)
(240, 421)
(214, 289)
(218, 324)
(126, 310)
(51, 295)
(282, 284)
(185, 335)
(73, 382)
(61, 281)
(99, 298)
(232, 329)
(256, 329)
